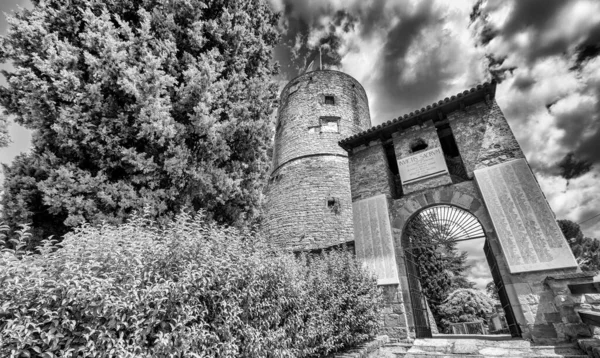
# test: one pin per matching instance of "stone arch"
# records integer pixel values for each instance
(442, 196)
(404, 237)
(408, 208)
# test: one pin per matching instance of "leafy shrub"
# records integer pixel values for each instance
(466, 305)
(190, 289)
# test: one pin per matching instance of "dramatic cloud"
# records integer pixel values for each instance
(406, 55)
(546, 53)
(479, 272)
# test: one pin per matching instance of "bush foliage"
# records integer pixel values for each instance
(186, 289)
(465, 305)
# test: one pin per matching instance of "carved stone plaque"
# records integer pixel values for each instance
(373, 238)
(525, 224)
(420, 166)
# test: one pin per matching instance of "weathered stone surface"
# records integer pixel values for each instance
(483, 136)
(373, 238)
(475, 205)
(530, 237)
(365, 350)
(577, 330)
(423, 165)
(308, 202)
(394, 321)
(461, 200)
(369, 172)
(465, 347)
(297, 213)
(592, 298)
(544, 330)
(403, 141)
(302, 105)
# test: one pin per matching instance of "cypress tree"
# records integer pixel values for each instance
(138, 103)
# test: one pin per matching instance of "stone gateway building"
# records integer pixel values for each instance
(453, 166)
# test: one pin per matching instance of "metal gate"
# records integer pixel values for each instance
(513, 327)
(417, 298)
(440, 224)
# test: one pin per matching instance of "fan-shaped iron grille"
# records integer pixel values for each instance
(444, 223)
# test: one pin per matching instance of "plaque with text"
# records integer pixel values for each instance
(373, 240)
(526, 227)
(421, 166)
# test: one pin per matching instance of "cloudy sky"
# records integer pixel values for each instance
(407, 54)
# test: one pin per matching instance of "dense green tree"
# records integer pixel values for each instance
(458, 267)
(442, 268)
(571, 230)
(585, 249)
(4, 137)
(466, 305)
(133, 103)
(434, 277)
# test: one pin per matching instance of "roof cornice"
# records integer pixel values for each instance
(435, 111)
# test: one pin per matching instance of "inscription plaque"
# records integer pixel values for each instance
(373, 238)
(529, 235)
(421, 166)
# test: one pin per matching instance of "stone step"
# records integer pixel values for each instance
(590, 317)
(475, 348)
(500, 351)
(396, 352)
(458, 355)
(590, 345)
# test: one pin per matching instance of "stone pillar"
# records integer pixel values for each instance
(483, 136)
(531, 243)
(372, 189)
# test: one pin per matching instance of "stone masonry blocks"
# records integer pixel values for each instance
(404, 140)
(483, 136)
(369, 172)
(308, 201)
(297, 215)
(302, 109)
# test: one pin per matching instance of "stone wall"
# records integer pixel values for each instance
(371, 176)
(369, 172)
(297, 213)
(302, 108)
(394, 321)
(404, 140)
(483, 136)
(532, 302)
(549, 308)
(308, 204)
(465, 196)
(314, 182)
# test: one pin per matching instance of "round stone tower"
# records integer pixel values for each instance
(308, 201)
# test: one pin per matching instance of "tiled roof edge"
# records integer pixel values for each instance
(489, 87)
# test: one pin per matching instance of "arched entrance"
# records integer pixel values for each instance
(427, 233)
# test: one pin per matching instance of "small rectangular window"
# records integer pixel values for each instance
(329, 100)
